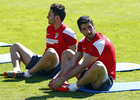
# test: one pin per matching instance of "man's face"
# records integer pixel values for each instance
(51, 17)
(88, 30)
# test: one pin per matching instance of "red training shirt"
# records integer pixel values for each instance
(101, 47)
(60, 38)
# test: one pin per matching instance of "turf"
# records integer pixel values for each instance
(24, 21)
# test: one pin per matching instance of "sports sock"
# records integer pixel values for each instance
(16, 69)
(66, 82)
(26, 74)
(73, 87)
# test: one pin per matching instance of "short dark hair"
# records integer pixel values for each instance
(84, 20)
(59, 10)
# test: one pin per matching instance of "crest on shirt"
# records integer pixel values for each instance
(56, 35)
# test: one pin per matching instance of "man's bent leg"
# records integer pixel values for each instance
(47, 62)
(20, 53)
(96, 75)
(66, 57)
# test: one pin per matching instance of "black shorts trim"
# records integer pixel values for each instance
(50, 73)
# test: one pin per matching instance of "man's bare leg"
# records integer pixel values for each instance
(47, 62)
(20, 53)
(66, 57)
(96, 75)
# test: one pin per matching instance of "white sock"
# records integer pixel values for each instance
(73, 87)
(27, 75)
(16, 69)
(66, 82)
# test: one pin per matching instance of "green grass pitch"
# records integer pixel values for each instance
(25, 21)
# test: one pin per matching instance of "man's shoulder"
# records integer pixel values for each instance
(64, 25)
(82, 40)
(68, 31)
(100, 36)
(50, 27)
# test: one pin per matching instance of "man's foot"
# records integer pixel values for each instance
(64, 87)
(12, 74)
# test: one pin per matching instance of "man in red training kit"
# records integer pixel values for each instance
(96, 71)
(59, 38)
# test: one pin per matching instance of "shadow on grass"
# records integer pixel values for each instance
(53, 94)
(33, 79)
(36, 79)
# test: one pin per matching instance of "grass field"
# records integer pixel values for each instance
(24, 21)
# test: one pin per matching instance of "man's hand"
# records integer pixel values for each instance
(55, 84)
(50, 83)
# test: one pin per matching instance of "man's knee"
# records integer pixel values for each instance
(98, 65)
(68, 53)
(101, 71)
(15, 46)
(50, 52)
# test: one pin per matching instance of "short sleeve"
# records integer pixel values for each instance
(69, 36)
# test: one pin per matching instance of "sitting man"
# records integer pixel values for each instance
(96, 71)
(59, 37)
